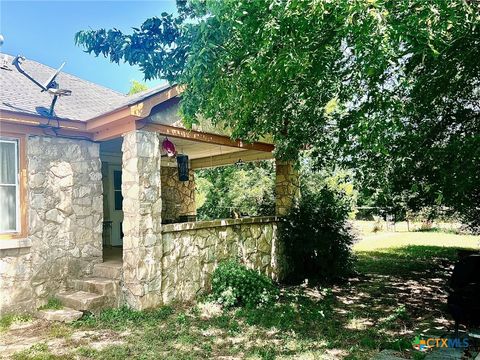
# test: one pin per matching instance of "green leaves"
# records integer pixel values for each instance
(245, 190)
(235, 285)
(405, 75)
(155, 46)
(317, 238)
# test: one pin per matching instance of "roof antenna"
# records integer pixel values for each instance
(50, 86)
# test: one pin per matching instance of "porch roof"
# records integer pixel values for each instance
(98, 113)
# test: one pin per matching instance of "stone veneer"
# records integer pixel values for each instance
(191, 251)
(287, 187)
(175, 261)
(65, 222)
(160, 264)
(178, 196)
(142, 219)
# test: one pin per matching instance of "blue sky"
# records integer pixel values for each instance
(44, 31)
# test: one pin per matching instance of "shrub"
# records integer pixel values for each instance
(247, 190)
(235, 285)
(377, 226)
(318, 238)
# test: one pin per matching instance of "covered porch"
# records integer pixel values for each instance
(150, 223)
(149, 211)
(178, 192)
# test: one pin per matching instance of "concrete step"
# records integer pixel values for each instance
(97, 285)
(108, 270)
(82, 300)
(65, 315)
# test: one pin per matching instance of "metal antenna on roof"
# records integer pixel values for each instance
(50, 86)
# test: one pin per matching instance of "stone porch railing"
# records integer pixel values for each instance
(192, 250)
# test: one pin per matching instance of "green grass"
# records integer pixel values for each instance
(52, 304)
(39, 351)
(8, 319)
(59, 330)
(399, 292)
(393, 241)
(124, 318)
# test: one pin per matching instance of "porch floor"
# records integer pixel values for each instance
(112, 255)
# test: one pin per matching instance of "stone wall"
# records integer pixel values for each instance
(142, 219)
(16, 292)
(178, 196)
(65, 222)
(191, 251)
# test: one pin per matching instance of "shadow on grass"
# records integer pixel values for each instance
(408, 261)
(398, 293)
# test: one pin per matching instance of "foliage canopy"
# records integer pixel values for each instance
(389, 88)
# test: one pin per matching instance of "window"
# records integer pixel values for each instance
(12, 219)
(9, 186)
(117, 189)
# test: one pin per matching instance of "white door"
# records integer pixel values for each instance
(115, 203)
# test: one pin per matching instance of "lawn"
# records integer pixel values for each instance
(399, 292)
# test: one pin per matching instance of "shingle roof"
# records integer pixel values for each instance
(136, 98)
(88, 100)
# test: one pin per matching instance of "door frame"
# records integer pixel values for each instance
(116, 216)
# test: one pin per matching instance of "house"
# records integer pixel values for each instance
(93, 211)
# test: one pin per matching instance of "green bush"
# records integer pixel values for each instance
(235, 285)
(318, 238)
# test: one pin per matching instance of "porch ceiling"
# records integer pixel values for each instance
(194, 149)
(201, 154)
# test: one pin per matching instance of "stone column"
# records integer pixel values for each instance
(142, 209)
(286, 186)
(287, 191)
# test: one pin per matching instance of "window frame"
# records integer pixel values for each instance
(117, 191)
(21, 221)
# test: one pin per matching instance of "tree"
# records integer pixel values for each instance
(136, 87)
(248, 189)
(388, 88)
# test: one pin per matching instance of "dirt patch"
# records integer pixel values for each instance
(22, 336)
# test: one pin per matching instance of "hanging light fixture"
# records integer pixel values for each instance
(169, 148)
(182, 165)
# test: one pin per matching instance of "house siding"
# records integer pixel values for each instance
(65, 215)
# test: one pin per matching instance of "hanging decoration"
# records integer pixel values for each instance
(182, 163)
(169, 148)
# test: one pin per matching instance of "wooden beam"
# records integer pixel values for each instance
(109, 119)
(231, 158)
(114, 130)
(37, 129)
(7, 116)
(207, 137)
(136, 111)
(144, 108)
